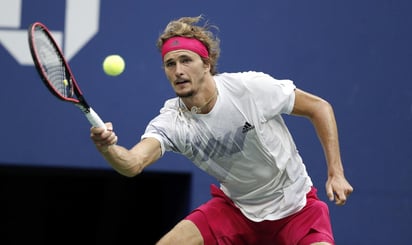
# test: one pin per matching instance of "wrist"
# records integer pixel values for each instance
(336, 172)
(105, 149)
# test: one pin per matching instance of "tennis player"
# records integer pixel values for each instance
(230, 125)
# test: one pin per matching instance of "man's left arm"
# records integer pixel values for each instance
(321, 114)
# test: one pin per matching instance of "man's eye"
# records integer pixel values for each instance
(187, 60)
(170, 64)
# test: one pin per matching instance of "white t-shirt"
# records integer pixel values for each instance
(243, 142)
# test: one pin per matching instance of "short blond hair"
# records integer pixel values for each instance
(186, 27)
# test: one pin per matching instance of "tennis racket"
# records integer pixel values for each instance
(55, 71)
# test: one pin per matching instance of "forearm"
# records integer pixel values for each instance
(321, 114)
(132, 162)
(122, 160)
(126, 162)
(326, 128)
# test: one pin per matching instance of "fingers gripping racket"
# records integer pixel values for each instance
(55, 71)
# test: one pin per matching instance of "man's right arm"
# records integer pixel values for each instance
(127, 162)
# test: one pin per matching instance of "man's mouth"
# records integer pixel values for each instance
(181, 81)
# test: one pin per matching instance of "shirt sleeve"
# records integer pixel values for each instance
(163, 128)
(157, 137)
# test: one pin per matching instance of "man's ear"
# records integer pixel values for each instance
(206, 65)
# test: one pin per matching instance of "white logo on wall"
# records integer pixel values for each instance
(81, 23)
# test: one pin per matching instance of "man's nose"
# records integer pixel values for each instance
(179, 70)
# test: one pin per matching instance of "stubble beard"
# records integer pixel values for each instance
(185, 95)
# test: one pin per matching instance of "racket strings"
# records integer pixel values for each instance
(52, 64)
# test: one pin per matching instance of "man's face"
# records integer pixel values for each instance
(186, 71)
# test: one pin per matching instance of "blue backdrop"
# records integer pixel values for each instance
(355, 54)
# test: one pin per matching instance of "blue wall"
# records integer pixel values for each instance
(356, 54)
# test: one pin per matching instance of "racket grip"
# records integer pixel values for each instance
(94, 119)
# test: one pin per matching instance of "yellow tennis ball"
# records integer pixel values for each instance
(113, 65)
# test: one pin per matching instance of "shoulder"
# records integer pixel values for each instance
(237, 82)
(249, 77)
(240, 76)
(167, 112)
(254, 81)
(170, 105)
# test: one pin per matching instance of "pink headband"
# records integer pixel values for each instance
(192, 44)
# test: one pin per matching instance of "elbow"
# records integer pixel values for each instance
(326, 106)
(323, 112)
(310, 106)
(130, 172)
(321, 107)
(137, 166)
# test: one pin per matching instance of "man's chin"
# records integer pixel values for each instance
(184, 94)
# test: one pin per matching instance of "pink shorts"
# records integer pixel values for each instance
(221, 222)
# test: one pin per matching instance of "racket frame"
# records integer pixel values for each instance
(79, 99)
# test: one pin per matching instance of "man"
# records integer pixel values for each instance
(230, 126)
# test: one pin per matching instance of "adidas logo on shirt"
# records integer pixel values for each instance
(247, 127)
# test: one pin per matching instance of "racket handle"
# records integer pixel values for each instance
(94, 119)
